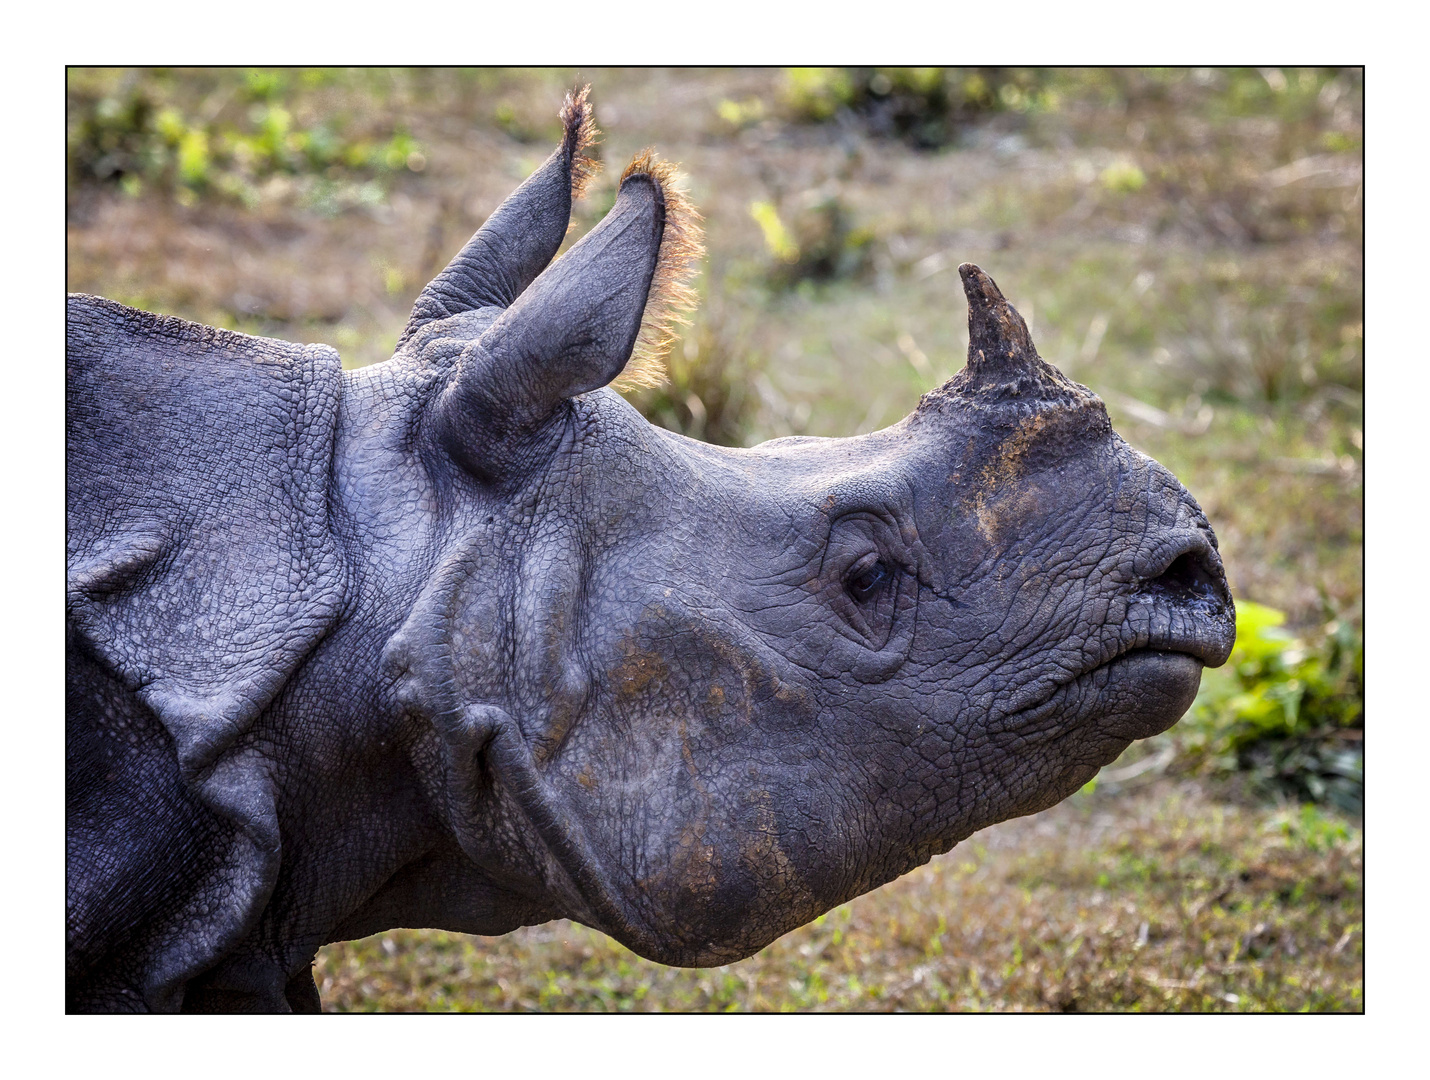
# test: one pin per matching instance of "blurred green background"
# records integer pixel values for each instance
(1186, 242)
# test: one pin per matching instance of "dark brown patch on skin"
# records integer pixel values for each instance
(763, 858)
(694, 864)
(998, 491)
(637, 670)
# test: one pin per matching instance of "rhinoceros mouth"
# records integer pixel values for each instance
(1146, 681)
(1136, 694)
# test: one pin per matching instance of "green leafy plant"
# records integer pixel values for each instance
(923, 106)
(127, 135)
(816, 241)
(1123, 176)
(1310, 828)
(1290, 715)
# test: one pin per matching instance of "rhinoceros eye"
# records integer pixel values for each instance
(867, 578)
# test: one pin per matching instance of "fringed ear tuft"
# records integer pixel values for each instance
(671, 297)
(523, 234)
(580, 124)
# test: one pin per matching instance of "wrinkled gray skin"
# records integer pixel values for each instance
(462, 641)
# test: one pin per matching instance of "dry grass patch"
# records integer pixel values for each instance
(1160, 900)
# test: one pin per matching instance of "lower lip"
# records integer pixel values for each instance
(1159, 687)
(1133, 696)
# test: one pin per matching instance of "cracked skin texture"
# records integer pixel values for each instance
(462, 641)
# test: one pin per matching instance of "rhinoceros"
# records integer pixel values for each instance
(460, 640)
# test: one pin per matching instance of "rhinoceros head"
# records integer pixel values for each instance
(700, 695)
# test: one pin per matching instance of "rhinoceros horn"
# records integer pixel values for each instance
(522, 236)
(998, 337)
(1004, 367)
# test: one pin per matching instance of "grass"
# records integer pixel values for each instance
(1186, 242)
(1154, 900)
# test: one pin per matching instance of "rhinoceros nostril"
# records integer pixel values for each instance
(1187, 577)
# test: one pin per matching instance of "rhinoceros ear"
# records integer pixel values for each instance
(522, 236)
(605, 311)
(201, 567)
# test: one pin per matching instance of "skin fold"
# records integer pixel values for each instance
(461, 641)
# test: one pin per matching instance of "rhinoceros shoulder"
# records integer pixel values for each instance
(202, 569)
